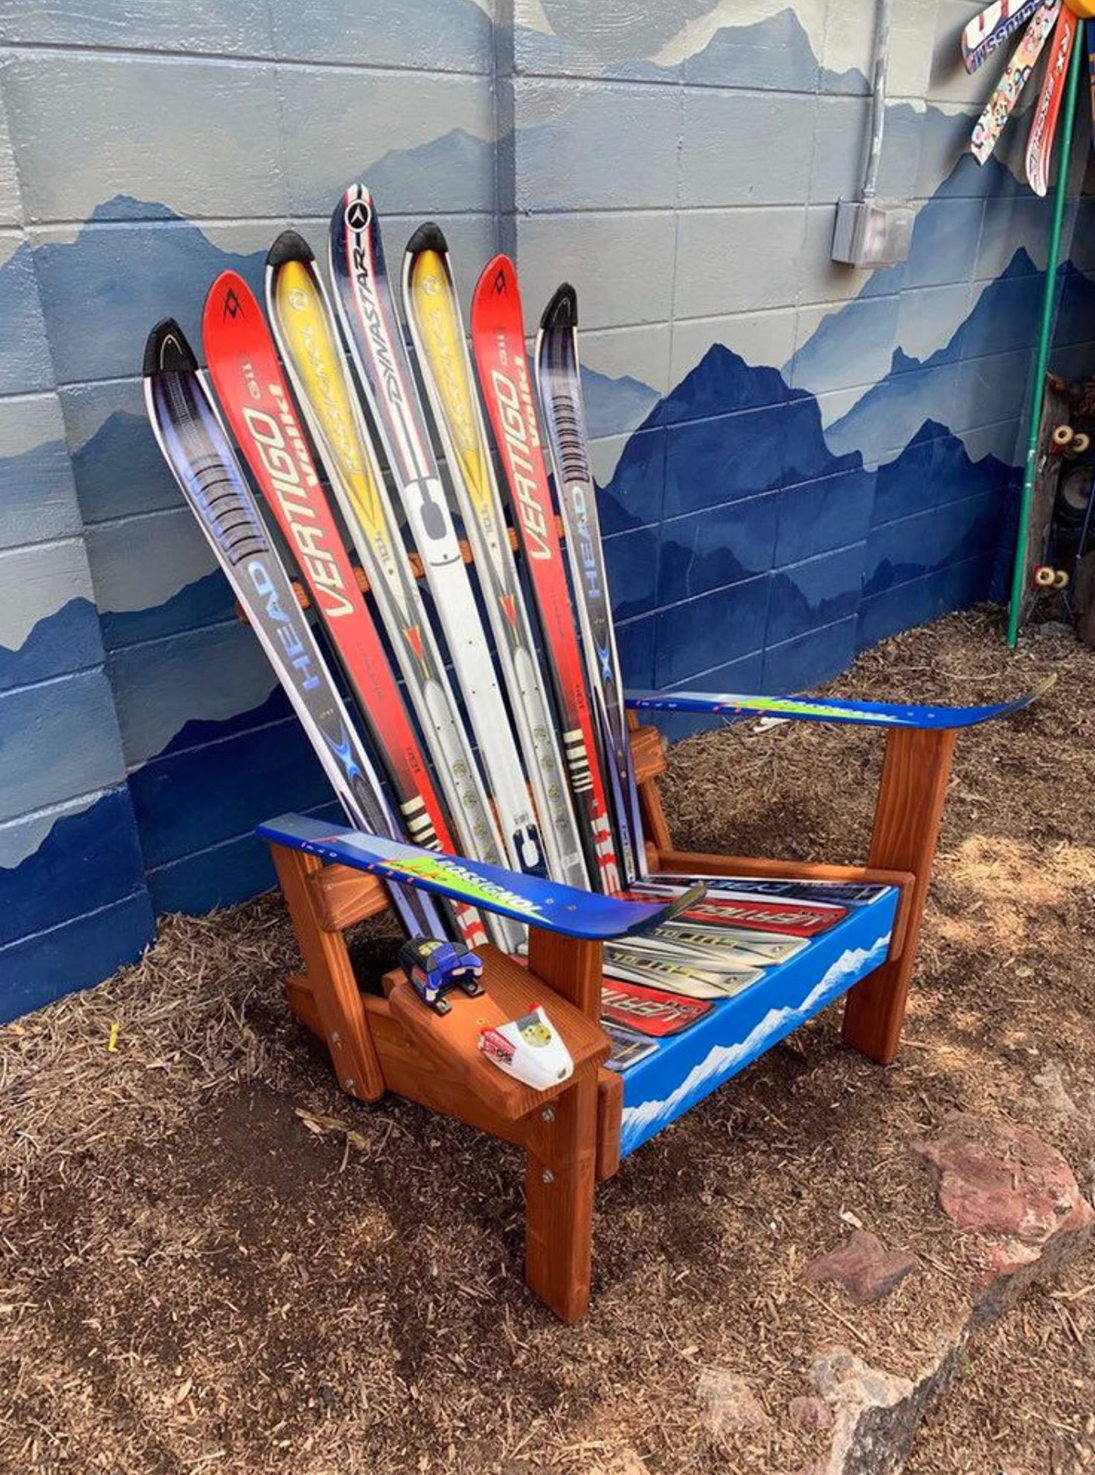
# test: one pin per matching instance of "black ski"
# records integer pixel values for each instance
(559, 384)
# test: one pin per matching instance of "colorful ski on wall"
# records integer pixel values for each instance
(985, 32)
(990, 125)
(1044, 127)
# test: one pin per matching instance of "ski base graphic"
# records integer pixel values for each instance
(805, 709)
(529, 899)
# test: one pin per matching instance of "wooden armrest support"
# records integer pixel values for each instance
(511, 991)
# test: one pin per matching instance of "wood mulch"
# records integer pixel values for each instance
(212, 1260)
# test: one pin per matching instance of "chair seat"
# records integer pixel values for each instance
(668, 1075)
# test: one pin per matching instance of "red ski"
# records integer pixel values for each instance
(1042, 130)
(761, 914)
(252, 391)
(649, 1010)
(498, 345)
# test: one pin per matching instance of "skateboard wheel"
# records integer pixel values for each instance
(1044, 576)
(1060, 578)
(1079, 444)
(1062, 437)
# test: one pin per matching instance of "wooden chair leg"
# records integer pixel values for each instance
(331, 980)
(559, 1178)
(906, 830)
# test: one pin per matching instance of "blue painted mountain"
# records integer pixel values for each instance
(120, 470)
(76, 954)
(731, 431)
(68, 640)
(110, 285)
(37, 502)
(973, 380)
(431, 178)
(206, 601)
(738, 445)
(187, 800)
(775, 54)
(24, 357)
(87, 861)
(614, 405)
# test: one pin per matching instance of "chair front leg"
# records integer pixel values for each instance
(909, 811)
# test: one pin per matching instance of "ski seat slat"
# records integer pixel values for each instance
(682, 1068)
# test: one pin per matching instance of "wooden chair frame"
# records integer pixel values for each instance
(571, 1136)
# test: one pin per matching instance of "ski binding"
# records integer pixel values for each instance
(529, 1049)
(434, 966)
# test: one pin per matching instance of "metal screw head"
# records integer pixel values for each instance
(547, 1176)
(547, 1115)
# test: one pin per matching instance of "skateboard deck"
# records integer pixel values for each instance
(1047, 470)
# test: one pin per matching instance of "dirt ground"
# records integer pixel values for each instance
(211, 1260)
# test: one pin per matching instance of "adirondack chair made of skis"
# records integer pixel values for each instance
(578, 1133)
(680, 1049)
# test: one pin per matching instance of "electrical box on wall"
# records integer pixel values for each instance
(872, 232)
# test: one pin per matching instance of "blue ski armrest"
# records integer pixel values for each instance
(823, 709)
(539, 903)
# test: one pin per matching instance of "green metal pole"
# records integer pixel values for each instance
(1040, 363)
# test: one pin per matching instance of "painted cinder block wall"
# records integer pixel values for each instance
(796, 459)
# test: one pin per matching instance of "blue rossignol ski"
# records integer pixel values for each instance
(529, 899)
(189, 433)
(822, 709)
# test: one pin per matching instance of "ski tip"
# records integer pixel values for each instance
(289, 246)
(496, 278)
(428, 237)
(229, 297)
(167, 351)
(562, 310)
(354, 211)
(696, 892)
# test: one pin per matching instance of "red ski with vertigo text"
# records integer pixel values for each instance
(256, 401)
(498, 346)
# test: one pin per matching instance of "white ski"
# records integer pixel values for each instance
(371, 328)
(432, 309)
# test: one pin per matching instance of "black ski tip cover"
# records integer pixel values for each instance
(289, 246)
(428, 237)
(167, 351)
(562, 310)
